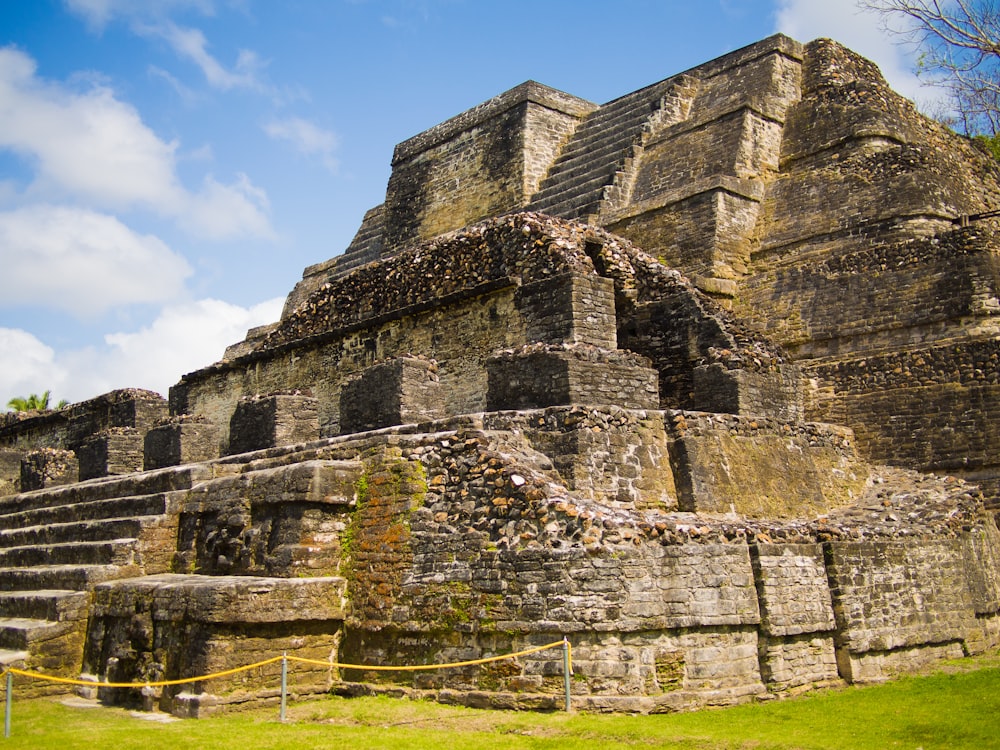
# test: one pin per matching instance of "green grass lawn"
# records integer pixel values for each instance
(957, 706)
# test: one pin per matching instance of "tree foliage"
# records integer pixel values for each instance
(34, 402)
(958, 43)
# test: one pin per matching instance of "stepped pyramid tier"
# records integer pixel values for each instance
(704, 379)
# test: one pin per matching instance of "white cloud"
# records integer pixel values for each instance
(83, 262)
(307, 138)
(219, 211)
(28, 367)
(859, 30)
(93, 147)
(191, 44)
(151, 18)
(183, 338)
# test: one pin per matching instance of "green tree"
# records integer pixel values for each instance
(958, 46)
(34, 402)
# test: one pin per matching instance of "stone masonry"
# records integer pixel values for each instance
(704, 379)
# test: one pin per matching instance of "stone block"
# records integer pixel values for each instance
(48, 467)
(538, 376)
(175, 626)
(776, 394)
(116, 451)
(792, 588)
(763, 468)
(267, 421)
(402, 390)
(180, 441)
(571, 309)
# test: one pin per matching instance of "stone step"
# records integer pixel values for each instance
(117, 507)
(19, 633)
(12, 658)
(571, 181)
(568, 193)
(105, 552)
(572, 207)
(71, 577)
(620, 110)
(78, 531)
(130, 485)
(601, 153)
(44, 604)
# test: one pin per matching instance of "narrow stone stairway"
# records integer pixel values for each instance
(604, 145)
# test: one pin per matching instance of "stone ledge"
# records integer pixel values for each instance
(225, 599)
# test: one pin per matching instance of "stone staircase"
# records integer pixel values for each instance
(604, 147)
(366, 245)
(77, 561)
(56, 544)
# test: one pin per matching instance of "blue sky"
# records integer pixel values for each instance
(169, 167)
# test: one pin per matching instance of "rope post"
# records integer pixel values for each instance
(284, 685)
(7, 704)
(566, 669)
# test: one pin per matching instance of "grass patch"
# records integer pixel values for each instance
(957, 706)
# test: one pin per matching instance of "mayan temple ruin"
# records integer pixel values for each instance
(704, 379)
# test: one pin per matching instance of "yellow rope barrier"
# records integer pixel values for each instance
(276, 659)
(418, 667)
(151, 683)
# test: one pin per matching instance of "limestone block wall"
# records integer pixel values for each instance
(284, 521)
(891, 597)
(536, 376)
(115, 451)
(707, 361)
(69, 427)
(484, 162)
(171, 626)
(398, 391)
(48, 467)
(763, 468)
(10, 471)
(699, 183)
(265, 421)
(461, 546)
(180, 441)
(862, 276)
(796, 644)
(495, 287)
(939, 280)
(617, 456)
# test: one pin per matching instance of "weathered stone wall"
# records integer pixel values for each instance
(616, 456)
(495, 287)
(169, 627)
(474, 551)
(10, 471)
(796, 636)
(398, 391)
(48, 467)
(891, 597)
(699, 183)
(763, 468)
(264, 421)
(180, 441)
(70, 426)
(861, 275)
(284, 521)
(485, 162)
(115, 451)
(537, 376)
